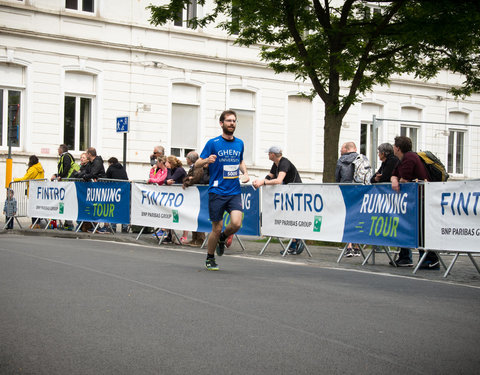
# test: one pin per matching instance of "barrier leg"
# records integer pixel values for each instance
(265, 246)
(140, 233)
(7, 222)
(287, 247)
(49, 221)
(387, 251)
(451, 265)
(205, 241)
(370, 254)
(440, 260)
(96, 227)
(473, 261)
(307, 249)
(18, 222)
(79, 226)
(176, 236)
(35, 223)
(241, 244)
(343, 252)
(420, 262)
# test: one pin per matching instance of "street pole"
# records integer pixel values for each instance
(125, 151)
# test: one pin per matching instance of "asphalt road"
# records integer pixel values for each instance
(93, 307)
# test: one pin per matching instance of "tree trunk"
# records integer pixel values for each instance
(332, 126)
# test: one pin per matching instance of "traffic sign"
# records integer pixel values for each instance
(122, 124)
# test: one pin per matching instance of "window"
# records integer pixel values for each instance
(81, 5)
(411, 130)
(185, 119)
(10, 115)
(77, 123)
(245, 109)
(412, 133)
(366, 141)
(299, 131)
(456, 141)
(185, 15)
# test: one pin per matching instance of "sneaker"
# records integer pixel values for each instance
(349, 253)
(405, 262)
(211, 264)
(221, 244)
(103, 230)
(429, 265)
(229, 241)
(183, 241)
(356, 252)
(300, 248)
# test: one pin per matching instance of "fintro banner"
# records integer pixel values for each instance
(366, 214)
(452, 216)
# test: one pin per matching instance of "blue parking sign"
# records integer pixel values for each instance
(122, 124)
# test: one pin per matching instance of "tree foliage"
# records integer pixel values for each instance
(346, 47)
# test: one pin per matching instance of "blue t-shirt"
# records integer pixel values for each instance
(224, 173)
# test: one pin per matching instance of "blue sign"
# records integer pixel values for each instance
(104, 202)
(251, 211)
(377, 215)
(122, 124)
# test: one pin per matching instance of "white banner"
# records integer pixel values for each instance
(452, 216)
(53, 200)
(315, 212)
(170, 207)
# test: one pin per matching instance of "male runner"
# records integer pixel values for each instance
(224, 154)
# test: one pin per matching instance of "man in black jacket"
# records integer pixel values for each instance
(115, 170)
(96, 169)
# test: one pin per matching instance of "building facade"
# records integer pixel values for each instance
(69, 68)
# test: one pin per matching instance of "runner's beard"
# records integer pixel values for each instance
(226, 131)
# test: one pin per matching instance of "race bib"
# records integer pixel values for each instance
(230, 172)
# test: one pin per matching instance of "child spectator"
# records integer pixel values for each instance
(10, 209)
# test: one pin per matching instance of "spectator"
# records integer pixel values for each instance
(95, 169)
(389, 162)
(34, 172)
(84, 166)
(64, 168)
(344, 174)
(176, 173)
(410, 169)
(282, 172)
(10, 209)
(158, 173)
(157, 151)
(115, 170)
(200, 177)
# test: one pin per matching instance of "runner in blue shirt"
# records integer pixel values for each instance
(224, 154)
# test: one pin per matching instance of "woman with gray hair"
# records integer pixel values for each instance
(389, 162)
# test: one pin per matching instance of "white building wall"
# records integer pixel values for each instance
(134, 65)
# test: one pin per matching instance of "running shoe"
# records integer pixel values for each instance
(211, 264)
(229, 241)
(349, 253)
(221, 244)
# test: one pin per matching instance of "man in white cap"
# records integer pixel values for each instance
(282, 172)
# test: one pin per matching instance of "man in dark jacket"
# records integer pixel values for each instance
(345, 168)
(389, 162)
(410, 169)
(115, 170)
(95, 169)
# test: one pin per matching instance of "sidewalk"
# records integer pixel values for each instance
(463, 272)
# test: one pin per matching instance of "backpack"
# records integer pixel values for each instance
(435, 168)
(362, 172)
